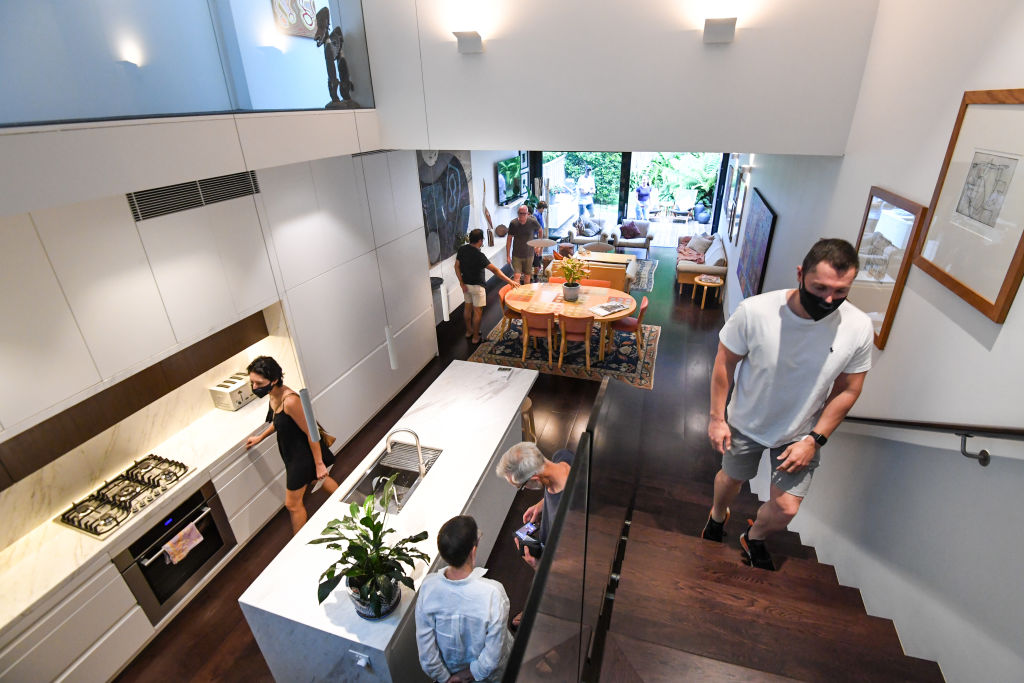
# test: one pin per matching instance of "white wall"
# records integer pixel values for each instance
(924, 533)
(617, 76)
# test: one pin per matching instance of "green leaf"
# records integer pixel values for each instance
(326, 587)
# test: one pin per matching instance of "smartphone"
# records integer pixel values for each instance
(505, 372)
(524, 532)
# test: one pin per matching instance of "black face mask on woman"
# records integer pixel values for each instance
(815, 305)
(263, 391)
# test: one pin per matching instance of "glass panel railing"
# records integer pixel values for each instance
(70, 60)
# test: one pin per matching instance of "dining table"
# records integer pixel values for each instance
(545, 297)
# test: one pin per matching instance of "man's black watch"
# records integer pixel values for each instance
(819, 439)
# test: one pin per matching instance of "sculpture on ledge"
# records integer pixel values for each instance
(337, 67)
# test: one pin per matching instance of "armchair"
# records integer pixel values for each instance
(642, 241)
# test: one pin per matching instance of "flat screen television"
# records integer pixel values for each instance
(510, 186)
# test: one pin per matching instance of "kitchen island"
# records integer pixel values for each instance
(470, 413)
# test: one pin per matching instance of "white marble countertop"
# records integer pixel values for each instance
(465, 412)
(49, 557)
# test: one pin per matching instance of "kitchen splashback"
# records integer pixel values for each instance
(45, 493)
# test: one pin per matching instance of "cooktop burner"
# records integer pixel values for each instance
(111, 504)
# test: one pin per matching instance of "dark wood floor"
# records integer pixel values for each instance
(714, 618)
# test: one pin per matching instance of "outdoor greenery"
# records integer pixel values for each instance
(605, 166)
(670, 173)
(371, 565)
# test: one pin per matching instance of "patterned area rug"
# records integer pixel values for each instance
(622, 362)
(644, 281)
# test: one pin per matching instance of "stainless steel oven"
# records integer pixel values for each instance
(157, 583)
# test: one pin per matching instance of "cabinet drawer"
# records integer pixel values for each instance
(253, 516)
(68, 630)
(256, 471)
(112, 651)
(240, 459)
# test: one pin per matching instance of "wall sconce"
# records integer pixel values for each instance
(470, 42)
(719, 30)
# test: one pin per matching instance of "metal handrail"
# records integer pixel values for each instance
(963, 431)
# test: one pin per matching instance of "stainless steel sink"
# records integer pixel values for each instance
(401, 461)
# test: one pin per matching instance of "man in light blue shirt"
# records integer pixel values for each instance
(461, 617)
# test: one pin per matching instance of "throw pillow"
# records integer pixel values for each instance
(630, 231)
(715, 255)
(700, 244)
(589, 229)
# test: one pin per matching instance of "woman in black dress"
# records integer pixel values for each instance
(305, 460)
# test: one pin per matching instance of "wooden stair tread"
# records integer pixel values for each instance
(627, 660)
(786, 650)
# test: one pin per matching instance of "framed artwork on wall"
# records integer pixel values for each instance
(888, 231)
(974, 242)
(758, 240)
(739, 200)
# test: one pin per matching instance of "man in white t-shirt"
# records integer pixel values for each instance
(802, 360)
(585, 189)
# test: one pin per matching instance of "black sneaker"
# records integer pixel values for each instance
(755, 551)
(715, 531)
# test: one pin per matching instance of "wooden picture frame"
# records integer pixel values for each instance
(736, 217)
(890, 228)
(974, 242)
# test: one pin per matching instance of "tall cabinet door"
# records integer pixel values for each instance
(44, 358)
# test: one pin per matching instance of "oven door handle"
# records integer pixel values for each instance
(146, 563)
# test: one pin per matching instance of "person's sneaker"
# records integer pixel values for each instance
(755, 551)
(715, 531)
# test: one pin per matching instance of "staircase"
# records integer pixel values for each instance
(689, 609)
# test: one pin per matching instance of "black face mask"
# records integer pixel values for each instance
(263, 391)
(816, 306)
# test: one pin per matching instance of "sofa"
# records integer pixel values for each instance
(573, 235)
(712, 258)
(620, 277)
(643, 241)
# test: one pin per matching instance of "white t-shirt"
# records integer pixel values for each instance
(790, 364)
(586, 188)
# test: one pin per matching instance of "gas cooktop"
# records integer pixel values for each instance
(110, 505)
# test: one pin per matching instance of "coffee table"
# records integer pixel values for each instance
(707, 281)
(545, 297)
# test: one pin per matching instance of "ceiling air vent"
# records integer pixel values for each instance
(161, 201)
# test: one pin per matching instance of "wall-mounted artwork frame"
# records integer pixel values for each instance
(295, 17)
(739, 199)
(889, 230)
(974, 242)
(756, 244)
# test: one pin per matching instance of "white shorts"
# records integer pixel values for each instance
(476, 295)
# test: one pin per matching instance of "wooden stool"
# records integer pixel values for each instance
(717, 286)
(529, 426)
(566, 249)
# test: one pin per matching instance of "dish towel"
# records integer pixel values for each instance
(176, 549)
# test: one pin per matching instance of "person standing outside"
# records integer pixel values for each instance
(585, 189)
(802, 359)
(470, 264)
(461, 631)
(517, 249)
(643, 198)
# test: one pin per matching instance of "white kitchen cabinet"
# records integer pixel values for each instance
(258, 511)
(252, 471)
(112, 651)
(403, 269)
(61, 636)
(99, 260)
(382, 202)
(193, 284)
(338, 318)
(405, 191)
(341, 197)
(243, 254)
(45, 359)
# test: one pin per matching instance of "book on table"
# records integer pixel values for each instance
(608, 308)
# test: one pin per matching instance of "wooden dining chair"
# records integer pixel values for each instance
(575, 330)
(634, 325)
(538, 325)
(507, 314)
(556, 280)
(596, 283)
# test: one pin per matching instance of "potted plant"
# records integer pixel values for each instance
(573, 269)
(371, 567)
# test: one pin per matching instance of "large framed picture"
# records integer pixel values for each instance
(739, 199)
(974, 242)
(758, 240)
(889, 229)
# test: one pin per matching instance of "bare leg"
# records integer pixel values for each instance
(330, 485)
(468, 314)
(726, 490)
(774, 515)
(296, 508)
(478, 314)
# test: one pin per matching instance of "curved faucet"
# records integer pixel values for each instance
(419, 450)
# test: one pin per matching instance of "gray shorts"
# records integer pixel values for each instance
(522, 264)
(741, 461)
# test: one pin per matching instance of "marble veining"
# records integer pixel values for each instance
(466, 413)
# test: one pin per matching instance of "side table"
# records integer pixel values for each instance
(706, 281)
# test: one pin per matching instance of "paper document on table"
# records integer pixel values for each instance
(608, 308)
